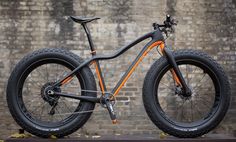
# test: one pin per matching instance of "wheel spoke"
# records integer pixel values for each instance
(32, 100)
(35, 84)
(42, 109)
(191, 109)
(59, 113)
(187, 79)
(204, 101)
(40, 74)
(170, 76)
(168, 87)
(192, 73)
(167, 104)
(58, 74)
(35, 110)
(199, 82)
(47, 74)
(178, 110)
(196, 108)
(66, 106)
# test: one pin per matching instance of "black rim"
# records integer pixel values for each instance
(22, 100)
(188, 111)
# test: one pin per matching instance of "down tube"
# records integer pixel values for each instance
(135, 63)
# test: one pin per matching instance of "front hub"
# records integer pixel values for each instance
(47, 93)
(182, 93)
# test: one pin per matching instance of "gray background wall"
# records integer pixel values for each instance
(27, 25)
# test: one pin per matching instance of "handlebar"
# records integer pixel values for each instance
(167, 25)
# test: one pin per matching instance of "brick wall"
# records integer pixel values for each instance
(29, 25)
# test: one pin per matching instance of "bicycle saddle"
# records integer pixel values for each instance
(82, 20)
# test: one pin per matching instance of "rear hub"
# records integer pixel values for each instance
(47, 93)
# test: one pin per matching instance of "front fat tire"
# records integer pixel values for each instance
(158, 118)
(12, 93)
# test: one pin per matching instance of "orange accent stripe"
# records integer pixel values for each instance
(162, 46)
(67, 80)
(175, 77)
(92, 62)
(136, 64)
(99, 78)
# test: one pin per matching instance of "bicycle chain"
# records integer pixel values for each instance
(81, 112)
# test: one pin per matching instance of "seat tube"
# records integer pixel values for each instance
(100, 78)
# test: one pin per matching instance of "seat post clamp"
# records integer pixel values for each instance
(93, 52)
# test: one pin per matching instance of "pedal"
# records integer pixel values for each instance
(114, 121)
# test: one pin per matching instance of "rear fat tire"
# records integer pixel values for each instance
(157, 117)
(12, 93)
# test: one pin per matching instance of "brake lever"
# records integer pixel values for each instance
(155, 26)
(174, 22)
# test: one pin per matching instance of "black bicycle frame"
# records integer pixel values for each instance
(157, 39)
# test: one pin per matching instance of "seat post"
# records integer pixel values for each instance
(93, 52)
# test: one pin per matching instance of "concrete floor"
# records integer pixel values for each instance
(119, 138)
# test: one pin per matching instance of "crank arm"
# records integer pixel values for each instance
(111, 111)
(82, 98)
(177, 72)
